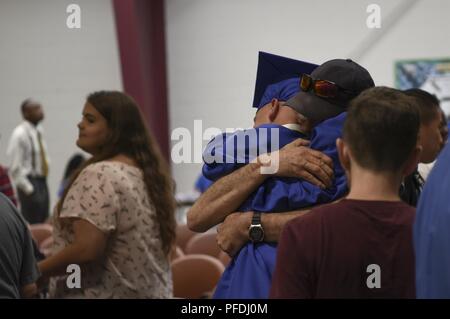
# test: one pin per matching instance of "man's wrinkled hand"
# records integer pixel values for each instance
(232, 234)
(298, 160)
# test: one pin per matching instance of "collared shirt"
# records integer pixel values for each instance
(411, 188)
(294, 127)
(24, 151)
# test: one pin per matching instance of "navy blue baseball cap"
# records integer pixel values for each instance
(278, 77)
(348, 75)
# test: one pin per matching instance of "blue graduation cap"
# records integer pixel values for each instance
(278, 77)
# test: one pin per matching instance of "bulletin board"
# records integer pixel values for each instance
(431, 75)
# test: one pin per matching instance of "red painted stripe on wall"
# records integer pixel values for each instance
(140, 29)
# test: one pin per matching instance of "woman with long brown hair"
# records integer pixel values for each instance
(116, 218)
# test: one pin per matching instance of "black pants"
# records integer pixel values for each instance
(35, 207)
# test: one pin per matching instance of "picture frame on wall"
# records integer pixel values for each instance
(431, 75)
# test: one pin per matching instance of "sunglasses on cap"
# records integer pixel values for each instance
(321, 88)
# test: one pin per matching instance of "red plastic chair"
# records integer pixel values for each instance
(177, 252)
(195, 276)
(204, 243)
(183, 235)
(224, 258)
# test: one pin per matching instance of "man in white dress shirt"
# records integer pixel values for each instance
(29, 163)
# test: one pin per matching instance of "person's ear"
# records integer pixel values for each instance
(343, 154)
(274, 109)
(260, 116)
(412, 161)
(345, 159)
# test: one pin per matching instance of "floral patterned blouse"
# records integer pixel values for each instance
(113, 197)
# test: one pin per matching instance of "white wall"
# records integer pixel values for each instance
(212, 50)
(41, 58)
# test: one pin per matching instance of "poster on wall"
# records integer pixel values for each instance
(431, 75)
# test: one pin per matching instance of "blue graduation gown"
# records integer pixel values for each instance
(432, 232)
(202, 183)
(249, 274)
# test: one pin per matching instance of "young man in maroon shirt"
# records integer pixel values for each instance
(360, 247)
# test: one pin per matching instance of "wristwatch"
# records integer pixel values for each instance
(256, 231)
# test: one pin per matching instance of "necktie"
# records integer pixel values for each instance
(44, 164)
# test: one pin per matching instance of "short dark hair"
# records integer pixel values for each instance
(381, 128)
(27, 103)
(428, 104)
(24, 104)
